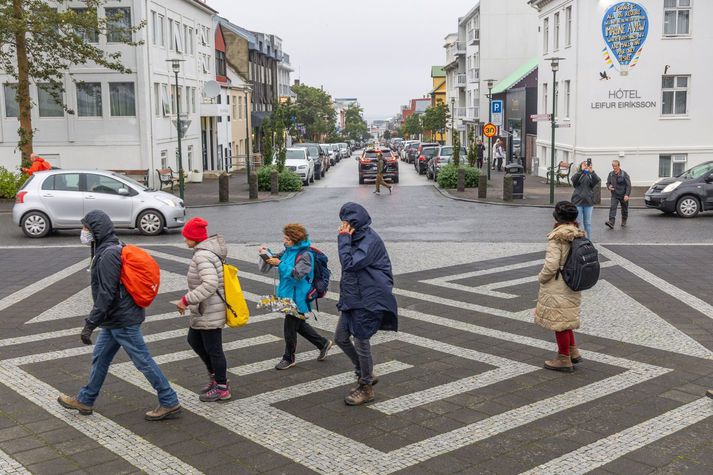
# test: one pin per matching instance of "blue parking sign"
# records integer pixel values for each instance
(496, 107)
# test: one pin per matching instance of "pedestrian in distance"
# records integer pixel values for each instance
(206, 306)
(480, 150)
(619, 184)
(120, 319)
(380, 164)
(38, 164)
(558, 306)
(499, 153)
(295, 265)
(585, 181)
(366, 299)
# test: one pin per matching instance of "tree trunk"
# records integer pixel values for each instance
(23, 85)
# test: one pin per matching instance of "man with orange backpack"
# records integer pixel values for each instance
(119, 316)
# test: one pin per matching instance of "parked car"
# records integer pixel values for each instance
(59, 199)
(686, 195)
(424, 153)
(345, 150)
(299, 162)
(368, 165)
(315, 153)
(328, 150)
(409, 151)
(441, 159)
(336, 151)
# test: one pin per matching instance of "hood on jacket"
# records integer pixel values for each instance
(566, 233)
(356, 215)
(214, 244)
(99, 223)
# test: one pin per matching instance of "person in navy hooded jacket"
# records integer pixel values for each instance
(366, 300)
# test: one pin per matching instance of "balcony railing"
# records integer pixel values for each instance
(474, 75)
(473, 36)
(454, 50)
(472, 112)
(459, 112)
(460, 80)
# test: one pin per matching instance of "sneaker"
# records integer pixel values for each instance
(323, 352)
(221, 392)
(377, 192)
(71, 402)
(609, 224)
(284, 364)
(211, 384)
(161, 413)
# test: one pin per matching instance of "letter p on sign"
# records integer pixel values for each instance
(489, 130)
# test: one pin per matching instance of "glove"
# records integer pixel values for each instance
(86, 334)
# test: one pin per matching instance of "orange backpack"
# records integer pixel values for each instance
(140, 275)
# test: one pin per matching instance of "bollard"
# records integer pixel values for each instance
(274, 183)
(252, 184)
(461, 179)
(482, 187)
(224, 188)
(597, 195)
(507, 188)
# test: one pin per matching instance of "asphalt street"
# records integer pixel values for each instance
(414, 212)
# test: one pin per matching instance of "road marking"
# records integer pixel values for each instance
(10, 466)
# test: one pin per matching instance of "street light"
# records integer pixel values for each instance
(176, 68)
(248, 150)
(490, 83)
(555, 63)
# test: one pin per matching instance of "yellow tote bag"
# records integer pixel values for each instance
(236, 312)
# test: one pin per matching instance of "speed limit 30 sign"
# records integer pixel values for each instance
(490, 130)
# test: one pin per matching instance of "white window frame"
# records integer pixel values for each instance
(164, 159)
(165, 101)
(556, 32)
(171, 43)
(568, 26)
(544, 98)
(545, 35)
(177, 39)
(680, 7)
(674, 159)
(154, 28)
(567, 97)
(676, 90)
(162, 29)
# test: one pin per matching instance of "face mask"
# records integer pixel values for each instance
(86, 237)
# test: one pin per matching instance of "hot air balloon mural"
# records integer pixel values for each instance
(625, 27)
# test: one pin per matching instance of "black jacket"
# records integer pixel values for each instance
(113, 306)
(584, 185)
(621, 183)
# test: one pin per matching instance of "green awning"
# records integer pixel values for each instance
(437, 72)
(516, 76)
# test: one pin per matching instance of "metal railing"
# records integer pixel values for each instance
(473, 35)
(472, 112)
(474, 75)
(459, 112)
(460, 80)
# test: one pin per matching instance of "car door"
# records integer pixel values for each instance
(111, 196)
(62, 195)
(708, 191)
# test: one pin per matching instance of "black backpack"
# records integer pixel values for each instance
(320, 283)
(581, 269)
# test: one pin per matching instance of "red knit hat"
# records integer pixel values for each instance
(196, 229)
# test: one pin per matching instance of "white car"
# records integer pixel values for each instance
(298, 162)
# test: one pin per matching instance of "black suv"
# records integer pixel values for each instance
(686, 195)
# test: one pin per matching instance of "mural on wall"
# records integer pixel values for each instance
(625, 27)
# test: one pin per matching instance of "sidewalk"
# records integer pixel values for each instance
(537, 193)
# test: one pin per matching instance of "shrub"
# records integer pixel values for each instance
(448, 177)
(10, 183)
(289, 181)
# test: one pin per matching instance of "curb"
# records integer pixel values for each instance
(245, 203)
(446, 194)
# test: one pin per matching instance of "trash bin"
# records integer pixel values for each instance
(517, 172)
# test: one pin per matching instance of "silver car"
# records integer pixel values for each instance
(59, 199)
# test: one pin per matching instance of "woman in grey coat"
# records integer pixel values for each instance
(584, 182)
(206, 304)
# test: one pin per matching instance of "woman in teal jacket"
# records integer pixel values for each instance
(295, 267)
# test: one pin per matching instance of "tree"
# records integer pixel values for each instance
(354, 124)
(39, 43)
(412, 125)
(472, 150)
(387, 134)
(456, 149)
(313, 109)
(435, 118)
(274, 133)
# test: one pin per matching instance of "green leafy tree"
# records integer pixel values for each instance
(472, 150)
(436, 118)
(41, 41)
(355, 127)
(387, 134)
(313, 109)
(413, 126)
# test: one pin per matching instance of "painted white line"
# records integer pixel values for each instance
(10, 466)
(478, 273)
(608, 449)
(228, 346)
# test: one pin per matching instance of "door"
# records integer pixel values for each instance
(111, 196)
(63, 198)
(708, 191)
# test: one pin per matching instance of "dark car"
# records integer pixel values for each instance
(425, 152)
(367, 165)
(686, 195)
(316, 153)
(441, 159)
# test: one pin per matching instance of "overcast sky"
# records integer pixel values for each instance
(379, 51)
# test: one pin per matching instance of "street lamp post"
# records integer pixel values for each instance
(453, 119)
(248, 145)
(490, 83)
(554, 62)
(176, 67)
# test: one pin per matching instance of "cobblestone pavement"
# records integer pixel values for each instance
(462, 386)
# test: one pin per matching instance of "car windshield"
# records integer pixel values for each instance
(697, 171)
(295, 155)
(429, 152)
(132, 181)
(373, 153)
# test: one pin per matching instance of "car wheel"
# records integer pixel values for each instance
(688, 207)
(305, 183)
(36, 224)
(311, 179)
(150, 223)
(323, 173)
(318, 175)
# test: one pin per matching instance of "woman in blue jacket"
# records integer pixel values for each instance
(366, 300)
(296, 272)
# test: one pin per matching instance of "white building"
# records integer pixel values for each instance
(640, 95)
(341, 104)
(125, 121)
(284, 79)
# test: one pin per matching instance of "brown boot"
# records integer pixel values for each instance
(161, 413)
(623, 222)
(575, 355)
(70, 402)
(562, 363)
(361, 395)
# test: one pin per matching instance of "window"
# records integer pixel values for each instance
(177, 39)
(188, 39)
(89, 99)
(202, 35)
(556, 32)
(161, 32)
(103, 184)
(235, 107)
(240, 107)
(118, 26)
(157, 99)
(48, 105)
(12, 109)
(165, 101)
(90, 35)
(190, 157)
(164, 158)
(154, 28)
(568, 26)
(171, 42)
(546, 35)
(544, 98)
(173, 99)
(193, 99)
(676, 17)
(566, 98)
(62, 182)
(672, 165)
(675, 95)
(122, 102)
(220, 69)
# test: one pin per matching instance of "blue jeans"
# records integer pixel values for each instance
(359, 351)
(584, 218)
(132, 341)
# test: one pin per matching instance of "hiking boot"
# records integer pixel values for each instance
(574, 355)
(71, 402)
(609, 224)
(161, 413)
(211, 384)
(623, 223)
(361, 395)
(221, 392)
(323, 352)
(284, 364)
(562, 363)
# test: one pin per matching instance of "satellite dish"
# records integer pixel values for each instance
(211, 89)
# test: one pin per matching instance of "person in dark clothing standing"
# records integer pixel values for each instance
(366, 299)
(619, 183)
(119, 318)
(480, 149)
(584, 182)
(380, 164)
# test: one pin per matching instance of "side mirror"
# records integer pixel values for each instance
(123, 192)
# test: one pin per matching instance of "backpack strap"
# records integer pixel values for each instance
(563, 261)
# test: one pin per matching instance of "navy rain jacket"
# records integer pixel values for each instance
(113, 305)
(367, 281)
